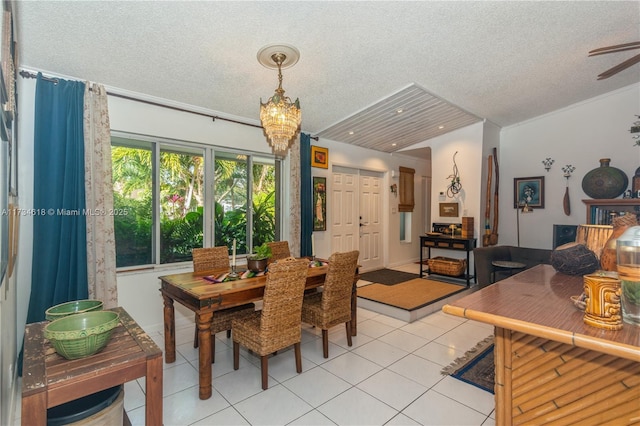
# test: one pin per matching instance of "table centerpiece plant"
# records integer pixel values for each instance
(257, 261)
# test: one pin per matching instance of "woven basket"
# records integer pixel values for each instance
(447, 266)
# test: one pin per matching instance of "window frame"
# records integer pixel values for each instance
(208, 152)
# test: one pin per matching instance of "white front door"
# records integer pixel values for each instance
(356, 215)
(344, 210)
(370, 218)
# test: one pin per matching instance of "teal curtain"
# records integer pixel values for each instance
(306, 195)
(59, 271)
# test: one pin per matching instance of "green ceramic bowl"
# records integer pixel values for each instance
(80, 335)
(73, 307)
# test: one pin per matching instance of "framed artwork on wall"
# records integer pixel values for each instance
(319, 204)
(319, 157)
(530, 191)
(449, 209)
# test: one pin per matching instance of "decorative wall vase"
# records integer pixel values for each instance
(566, 202)
(608, 255)
(604, 181)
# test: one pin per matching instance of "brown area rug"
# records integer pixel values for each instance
(476, 367)
(409, 295)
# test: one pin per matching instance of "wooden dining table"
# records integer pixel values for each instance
(196, 291)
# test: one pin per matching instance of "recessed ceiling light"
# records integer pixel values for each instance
(399, 110)
(394, 144)
(351, 132)
(440, 127)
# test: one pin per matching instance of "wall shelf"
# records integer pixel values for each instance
(599, 211)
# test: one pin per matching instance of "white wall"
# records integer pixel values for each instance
(345, 155)
(579, 135)
(468, 143)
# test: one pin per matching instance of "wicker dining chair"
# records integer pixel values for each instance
(205, 259)
(332, 306)
(210, 258)
(278, 325)
(279, 250)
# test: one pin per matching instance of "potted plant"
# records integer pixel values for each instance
(258, 260)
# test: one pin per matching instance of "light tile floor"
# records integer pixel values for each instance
(390, 376)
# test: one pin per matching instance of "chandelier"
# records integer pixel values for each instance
(280, 118)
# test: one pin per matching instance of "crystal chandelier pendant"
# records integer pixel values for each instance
(280, 117)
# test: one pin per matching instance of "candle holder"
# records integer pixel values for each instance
(233, 275)
(568, 170)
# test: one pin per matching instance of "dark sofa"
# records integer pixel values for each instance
(483, 256)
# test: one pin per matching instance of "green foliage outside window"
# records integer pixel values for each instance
(181, 202)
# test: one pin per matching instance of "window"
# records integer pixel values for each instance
(181, 203)
(231, 198)
(161, 189)
(406, 203)
(405, 227)
(132, 196)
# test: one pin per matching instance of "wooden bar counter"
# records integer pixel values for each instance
(552, 368)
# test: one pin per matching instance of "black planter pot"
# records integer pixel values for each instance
(257, 265)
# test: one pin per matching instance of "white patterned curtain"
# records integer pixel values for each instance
(294, 196)
(101, 249)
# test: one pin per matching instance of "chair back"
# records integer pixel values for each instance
(338, 284)
(282, 300)
(279, 250)
(208, 258)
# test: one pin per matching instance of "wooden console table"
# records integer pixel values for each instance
(50, 380)
(552, 368)
(447, 243)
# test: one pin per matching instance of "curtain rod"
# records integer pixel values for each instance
(28, 74)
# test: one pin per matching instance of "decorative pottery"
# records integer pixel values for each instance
(602, 302)
(72, 307)
(635, 184)
(566, 202)
(608, 255)
(604, 181)
(574, 259)
(80, 335)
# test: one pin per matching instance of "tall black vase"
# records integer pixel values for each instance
(605, 181)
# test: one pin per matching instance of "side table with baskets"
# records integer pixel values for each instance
(440, 265)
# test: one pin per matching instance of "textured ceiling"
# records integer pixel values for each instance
(501, 61)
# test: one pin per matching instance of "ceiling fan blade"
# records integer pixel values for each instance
(613, 51)
(624, 65)
(614, 47)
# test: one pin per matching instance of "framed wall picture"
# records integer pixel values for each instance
(319, 157)
(319, 204)
(530, 191)
(449, 209)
